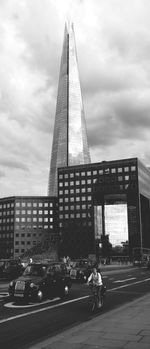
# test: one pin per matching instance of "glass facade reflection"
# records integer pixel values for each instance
(116, 223)
(70, 145)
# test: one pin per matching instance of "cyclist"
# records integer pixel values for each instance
(96, 279)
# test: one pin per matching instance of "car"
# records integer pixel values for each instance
(81, 270)
(39, 281)
(10, 268)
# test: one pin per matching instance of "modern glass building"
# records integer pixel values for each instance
(104, 204)
(26, 222)
(70, 145)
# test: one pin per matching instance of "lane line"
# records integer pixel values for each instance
(122, 286)
(118, 281)
(68, 302)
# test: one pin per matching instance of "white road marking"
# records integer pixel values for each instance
(67, 302)
(134, 283)
(29, 305)
(4, 294)
(118, 281)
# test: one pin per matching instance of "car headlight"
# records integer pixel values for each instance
(11, 283)
(32, 285)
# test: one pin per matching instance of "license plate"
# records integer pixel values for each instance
(19, 295)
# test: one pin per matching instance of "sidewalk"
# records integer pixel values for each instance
(126, 327)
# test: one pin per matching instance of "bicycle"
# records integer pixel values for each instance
(96, 299)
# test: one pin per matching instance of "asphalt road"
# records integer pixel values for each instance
(22, 326)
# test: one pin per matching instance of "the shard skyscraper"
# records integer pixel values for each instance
(70, 145)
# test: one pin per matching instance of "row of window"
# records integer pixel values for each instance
(34, 204)
(101, 171)
(8, 205)
(34, 219)
(77, 198)
(6, 236)
(74, 215)
(7, 213)
(34, 212)
(74, 207)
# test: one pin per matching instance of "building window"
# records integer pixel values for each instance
(119, 169)
(45, 211)
(88, 173)
(77, 182)
(40, 211)
(95, 172)
(34, 219)
(34, 204)
(133, 168)
(77, 207)
(83, 207)
(83, 198)
(45, 204)
(60, 184)
(66, 175)
(60, 176)
(17, 204)
(66, 191)
(17, 219)
(60, 208)
(89, 190)
(51, 219)
(40, 204)
(28, 211)
(17, 212)
(66, 215)
(100, 171)
(120, 178)
(72, 215)
(126, 169)
(126, 178)
(83, 182)
(83, 215)
(23, 212)
(45, 219)
(72, 199)
(77, 215)
(77, 198)
(23, 204)
(28, 219)
(89, 181)
(89, 198)
(28, 204)
(66, 199)
(78, 191)
(71, 207)
(71, 175)
(60, 192)
(72, 191)
(23, 219)
(40, 219)
(66, 208)
(82, 173)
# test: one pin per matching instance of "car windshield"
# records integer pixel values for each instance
(82, 263)
(35, 270)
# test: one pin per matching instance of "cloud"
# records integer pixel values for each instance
(113, 47)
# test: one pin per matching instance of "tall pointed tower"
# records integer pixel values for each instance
(70, 145)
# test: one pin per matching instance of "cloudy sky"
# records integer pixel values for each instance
(113, 47)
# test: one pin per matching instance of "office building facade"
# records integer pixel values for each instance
(25, 222)
(104, 202)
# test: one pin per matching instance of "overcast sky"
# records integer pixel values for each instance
(113, 48)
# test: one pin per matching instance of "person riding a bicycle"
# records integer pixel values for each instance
(95, 279)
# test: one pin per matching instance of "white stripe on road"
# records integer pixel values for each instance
(134, 283)
(43, 309)
(64, 303)
(118, 281)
